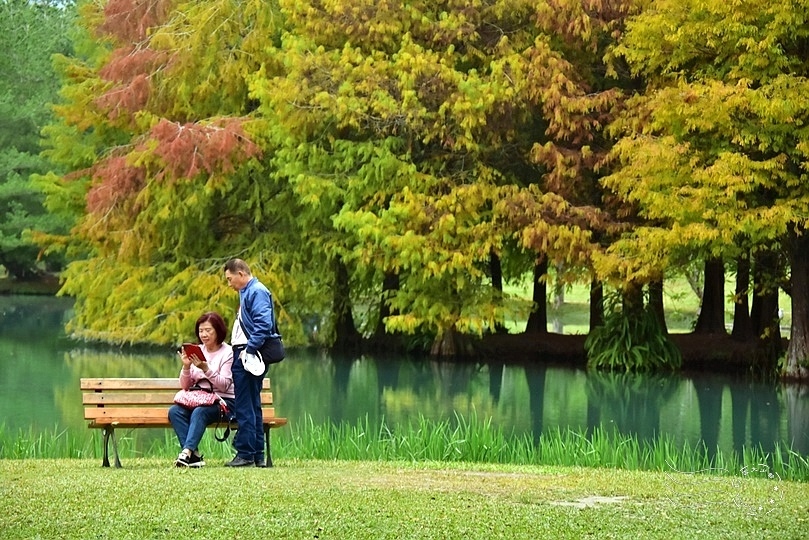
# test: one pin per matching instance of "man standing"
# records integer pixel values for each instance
(254, 324)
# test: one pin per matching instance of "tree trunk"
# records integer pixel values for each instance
(742, 323)
(797, 357)
(764, 312)
(496, 270)
(538, 319)
(346, 335)
(764, 315)
(558, 300)
(596, 304)
(656, 303)
(451, 344)
(632, 300)
(711, 318)
(695, 279)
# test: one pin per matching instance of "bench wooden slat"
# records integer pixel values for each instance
(110, 398)
(107, 384)
(150, 422)
(145, 398)
(129, 384)
(107, 415)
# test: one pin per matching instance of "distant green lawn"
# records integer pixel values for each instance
(680, 303)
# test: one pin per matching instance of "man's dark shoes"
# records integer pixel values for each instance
(240, 462)
(261, 464)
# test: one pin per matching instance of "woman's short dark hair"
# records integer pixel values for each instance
(216, 321)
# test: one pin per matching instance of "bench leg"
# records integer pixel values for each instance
(109, 432)
(115, 449)
(267, 453)
(105, 461)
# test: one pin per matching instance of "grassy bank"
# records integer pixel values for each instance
(460, 479)
(46, 285)
(76, 499)
(462, 440)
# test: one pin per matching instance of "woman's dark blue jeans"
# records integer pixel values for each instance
(190, 424)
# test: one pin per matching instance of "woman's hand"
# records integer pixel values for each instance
(199, 362)
(185, 359)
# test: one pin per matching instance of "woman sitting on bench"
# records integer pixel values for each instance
(215, 368)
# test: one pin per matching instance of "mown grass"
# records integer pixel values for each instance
(459, 479)
(464, 440)
(341, 499)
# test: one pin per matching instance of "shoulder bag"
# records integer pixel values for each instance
(272, 350)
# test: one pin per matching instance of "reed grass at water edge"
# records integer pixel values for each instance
(462, 440)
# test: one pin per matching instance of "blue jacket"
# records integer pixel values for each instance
(257, 314)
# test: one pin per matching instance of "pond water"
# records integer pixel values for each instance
(41, 371)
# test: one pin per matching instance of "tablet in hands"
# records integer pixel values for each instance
(191, 350)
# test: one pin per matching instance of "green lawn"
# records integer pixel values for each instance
(680, 303)
(306, 499)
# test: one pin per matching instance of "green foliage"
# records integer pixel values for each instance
(416, 140)
(334, 145)
(165, 181)
(630, 340)
(398, 131)
(30, 32)
(713, 152)
(144, 305)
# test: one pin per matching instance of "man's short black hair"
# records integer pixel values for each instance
(237, 265)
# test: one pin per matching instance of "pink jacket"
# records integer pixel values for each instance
(219, 366)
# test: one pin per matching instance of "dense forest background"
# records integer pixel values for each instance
(30, 33)
(389, 168)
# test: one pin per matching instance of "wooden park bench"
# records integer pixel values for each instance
(144, 403)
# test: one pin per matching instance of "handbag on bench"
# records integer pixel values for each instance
(196, 396)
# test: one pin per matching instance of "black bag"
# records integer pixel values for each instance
(226, 416)
(272, 351)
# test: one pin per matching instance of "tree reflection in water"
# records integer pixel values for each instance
(42, 371)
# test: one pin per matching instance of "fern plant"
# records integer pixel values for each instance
(630, 340)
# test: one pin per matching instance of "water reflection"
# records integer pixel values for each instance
(535, 379)
(42, 371)
(797, 406)
(632, 403)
